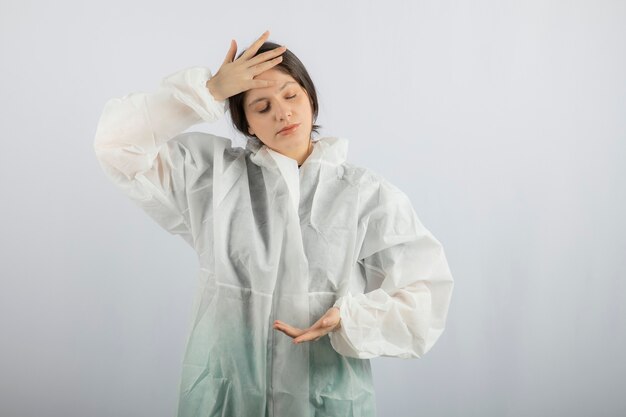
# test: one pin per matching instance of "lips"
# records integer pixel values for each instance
(289, 128)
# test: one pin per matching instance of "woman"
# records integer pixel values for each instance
(294, 242)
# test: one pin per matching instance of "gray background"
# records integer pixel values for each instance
(503, 121)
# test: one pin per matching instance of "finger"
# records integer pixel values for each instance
(329, 319)
(327, 322)
(259, 68)
(232, 51)
(287, 329)
(255, 46)
(310, 335)
(318, 325)
(266, 55)
(318, 329)
(287, 333)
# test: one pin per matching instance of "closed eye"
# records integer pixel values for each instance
(268, 107)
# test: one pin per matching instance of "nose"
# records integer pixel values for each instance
(283, 111)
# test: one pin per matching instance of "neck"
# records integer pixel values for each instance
(301, 155)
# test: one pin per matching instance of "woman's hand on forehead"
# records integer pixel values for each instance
(237, 75)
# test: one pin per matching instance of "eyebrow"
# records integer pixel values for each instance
(264, 98)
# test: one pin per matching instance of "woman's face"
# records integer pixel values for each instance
(270, 109)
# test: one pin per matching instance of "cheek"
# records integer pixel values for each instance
(304, 105)
(253, 120)
(261, 125)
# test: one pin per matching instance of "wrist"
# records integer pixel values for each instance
(211, 87)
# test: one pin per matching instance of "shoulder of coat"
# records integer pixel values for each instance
(207, 144)
(365, 179)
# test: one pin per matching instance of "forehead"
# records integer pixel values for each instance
(273, 75)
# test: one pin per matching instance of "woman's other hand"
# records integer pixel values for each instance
(329, 322)
(235, 76)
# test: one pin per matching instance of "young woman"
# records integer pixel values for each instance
(294, 242)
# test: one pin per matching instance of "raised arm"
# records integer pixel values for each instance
(136, 144)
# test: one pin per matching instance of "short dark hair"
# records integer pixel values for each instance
(290, 65)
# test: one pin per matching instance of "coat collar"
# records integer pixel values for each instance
(326, 150)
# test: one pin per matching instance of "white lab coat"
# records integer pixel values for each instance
(275, 241)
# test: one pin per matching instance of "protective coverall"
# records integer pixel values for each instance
(275, 241)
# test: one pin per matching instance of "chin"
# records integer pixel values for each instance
(294, 139)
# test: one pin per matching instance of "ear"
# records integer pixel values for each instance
(250, 130)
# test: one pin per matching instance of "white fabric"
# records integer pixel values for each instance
(290, 171)
(277, 242)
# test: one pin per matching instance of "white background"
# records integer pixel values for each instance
(505, 123)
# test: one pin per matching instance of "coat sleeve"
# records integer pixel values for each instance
(405, 266)
(136, 147)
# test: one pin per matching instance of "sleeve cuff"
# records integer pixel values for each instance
(189, 87)
(340, 339)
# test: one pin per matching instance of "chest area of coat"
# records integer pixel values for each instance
(261, 237)
(263, 205)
